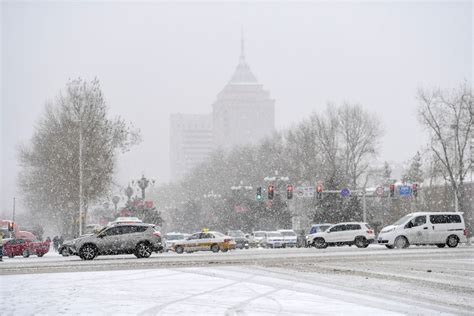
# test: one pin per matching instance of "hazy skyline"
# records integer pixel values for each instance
(157, 58)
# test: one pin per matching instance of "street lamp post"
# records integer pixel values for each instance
(116, 200)
(455, 128)
(129, 192)
(80, 177)
(143, 184)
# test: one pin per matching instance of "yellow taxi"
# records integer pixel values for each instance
(205, 241)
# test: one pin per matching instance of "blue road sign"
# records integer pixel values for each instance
(405, 190)
(345, 192)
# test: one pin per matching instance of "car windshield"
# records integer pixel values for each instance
(320, 228)
(236, 233)
(274, 234)
(402, 220)
(101, 231)
(288, 233)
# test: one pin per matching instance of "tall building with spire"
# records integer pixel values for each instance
(243, 112)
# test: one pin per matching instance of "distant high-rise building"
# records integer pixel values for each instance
(191, 142)
(243, 112)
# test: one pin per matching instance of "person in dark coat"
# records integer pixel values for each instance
(55, 243)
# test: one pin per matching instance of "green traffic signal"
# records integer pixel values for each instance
(259, 194)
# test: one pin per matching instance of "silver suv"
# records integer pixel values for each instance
(136, 238)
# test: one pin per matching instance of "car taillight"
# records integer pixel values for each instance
(157, 234)
(227, 240)
(370, 231)
(465, 231)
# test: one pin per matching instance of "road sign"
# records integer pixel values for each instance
(405, 190)
(379, 191)
(345, 192)
(302, 191)
(299, 191)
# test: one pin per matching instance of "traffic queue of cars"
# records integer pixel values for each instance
(141, 239)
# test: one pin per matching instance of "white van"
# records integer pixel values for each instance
(425, 228)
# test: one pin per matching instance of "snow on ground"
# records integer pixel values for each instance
(184, 291)
(339, 280)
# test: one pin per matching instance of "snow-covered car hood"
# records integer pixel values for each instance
(73, 241)
(388, 228)
(318, 234)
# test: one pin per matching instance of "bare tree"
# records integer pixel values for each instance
(74, 136)
(360, 132)
(448, 117)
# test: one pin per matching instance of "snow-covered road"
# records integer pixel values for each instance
(187, 291)
(418, 280)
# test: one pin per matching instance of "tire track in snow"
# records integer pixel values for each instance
(154, 310)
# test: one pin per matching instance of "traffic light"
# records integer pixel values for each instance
(392, 190)
(258, 197)
(414, 187)
(289, 192)
(319, 191)
(270, 192)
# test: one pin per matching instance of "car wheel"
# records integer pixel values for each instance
(452, 241)
(143, 250)
(215, 248)
(361, 242)
(401, 242)
(40, 254)
(25, 253)
(179, 249)
(88, 252)
(440, 245)
(389, 246)
(65, 252)
(224, 249)
(320, 243)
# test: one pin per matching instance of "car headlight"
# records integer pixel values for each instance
(388, 231)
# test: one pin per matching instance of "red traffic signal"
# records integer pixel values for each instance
(319, 191)
(289, 192)
(392, 190)
(414, 188)
(270, 192)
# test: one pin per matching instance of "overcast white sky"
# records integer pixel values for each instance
(157, 58)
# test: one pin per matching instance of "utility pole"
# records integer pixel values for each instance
(364, 207)
(13, 217)
(80, 177)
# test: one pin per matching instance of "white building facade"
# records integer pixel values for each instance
(191, 142)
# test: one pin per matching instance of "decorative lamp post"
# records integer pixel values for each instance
(129, 192)
(143, 184)
(116, 200)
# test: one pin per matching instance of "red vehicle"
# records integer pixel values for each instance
(25, 248)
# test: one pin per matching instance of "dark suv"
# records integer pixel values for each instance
(134, 238)
(240, 240)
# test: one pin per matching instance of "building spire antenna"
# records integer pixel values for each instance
(242, 45)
